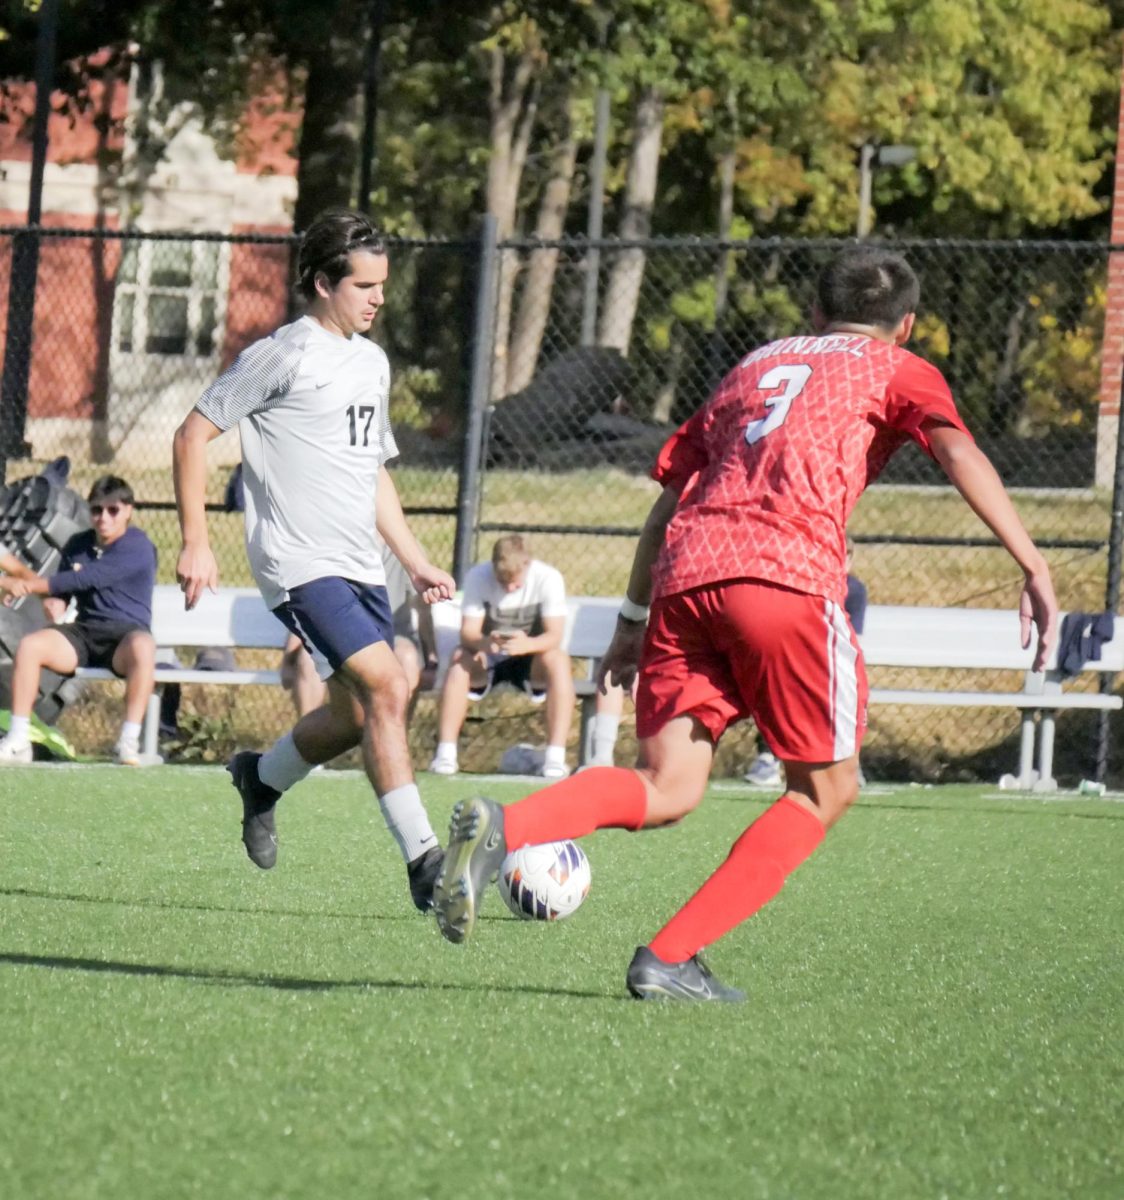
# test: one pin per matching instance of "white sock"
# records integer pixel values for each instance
(555, 756)
(130, 732)
(605, 726)
(447, 751)
(18, 729)
(406, 818)
(281, 765)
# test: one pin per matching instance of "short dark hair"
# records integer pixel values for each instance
(868, 286)
(328, 243)
(110, 487)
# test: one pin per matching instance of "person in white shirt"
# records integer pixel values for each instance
(513, 618)
(311, 403)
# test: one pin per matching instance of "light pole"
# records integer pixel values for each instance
(872, 155)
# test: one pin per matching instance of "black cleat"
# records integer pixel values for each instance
(472, 860)
(423, 872)
(650, 978)
(259, 833)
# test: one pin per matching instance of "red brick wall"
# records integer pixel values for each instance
(73, 307)
(257, 300)
(74, 297)
(73, 138)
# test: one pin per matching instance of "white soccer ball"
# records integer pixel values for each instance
(544, 883)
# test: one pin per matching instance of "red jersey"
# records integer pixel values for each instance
(782, 451)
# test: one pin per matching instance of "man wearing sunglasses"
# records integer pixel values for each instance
(110, 572)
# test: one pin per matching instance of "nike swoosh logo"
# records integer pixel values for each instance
(493, 840)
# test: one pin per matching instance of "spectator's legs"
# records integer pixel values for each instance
(464, 669)
(135, 659)
(554, 670)
(44, 648)
(608, 707)
(410, 661)
(299, 677)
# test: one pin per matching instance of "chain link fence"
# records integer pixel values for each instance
(533, 385)
(602, 349)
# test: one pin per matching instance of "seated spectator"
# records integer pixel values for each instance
(110, 572)
(513, 618)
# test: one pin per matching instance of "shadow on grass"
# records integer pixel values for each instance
(411, 916)
(281, 983)
(71, 898)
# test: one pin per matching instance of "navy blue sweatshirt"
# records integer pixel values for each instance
(109, 583)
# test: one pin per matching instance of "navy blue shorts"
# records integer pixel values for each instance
(335, 618)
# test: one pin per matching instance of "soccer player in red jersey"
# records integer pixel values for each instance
(742, 562)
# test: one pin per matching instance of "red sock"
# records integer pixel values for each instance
(600, 798)
(753, 873)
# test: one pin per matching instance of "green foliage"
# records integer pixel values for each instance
(1061, 363)
(202, 738)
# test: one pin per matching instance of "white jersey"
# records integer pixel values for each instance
(312, 410)
(542, 594)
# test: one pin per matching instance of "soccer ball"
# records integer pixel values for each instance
(543, 883)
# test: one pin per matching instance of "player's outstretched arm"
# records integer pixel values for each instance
(971, 473)
(196, 569)
(432, 583)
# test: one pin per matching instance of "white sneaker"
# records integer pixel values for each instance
(441, 765)
(554, 770)
(12, 752)
(127, 754)
(765, 771)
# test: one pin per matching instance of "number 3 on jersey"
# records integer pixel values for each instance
(793, 379)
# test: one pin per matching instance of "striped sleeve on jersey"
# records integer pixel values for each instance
(257, 378)
(388, 447)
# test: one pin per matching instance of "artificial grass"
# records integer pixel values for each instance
(935, 1007)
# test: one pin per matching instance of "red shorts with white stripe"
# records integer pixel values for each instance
(742, 648)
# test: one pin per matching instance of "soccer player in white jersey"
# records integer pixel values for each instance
(311, 403)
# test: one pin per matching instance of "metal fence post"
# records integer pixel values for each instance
(25, 256)
(480, 386)
(592, 283)
(1112, 586)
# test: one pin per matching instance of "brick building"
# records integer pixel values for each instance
(127, 332)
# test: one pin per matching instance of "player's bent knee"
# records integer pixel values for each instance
(388, 700)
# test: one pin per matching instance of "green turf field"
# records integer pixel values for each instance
(937, 1007)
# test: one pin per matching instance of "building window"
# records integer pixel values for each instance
(169, 298)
